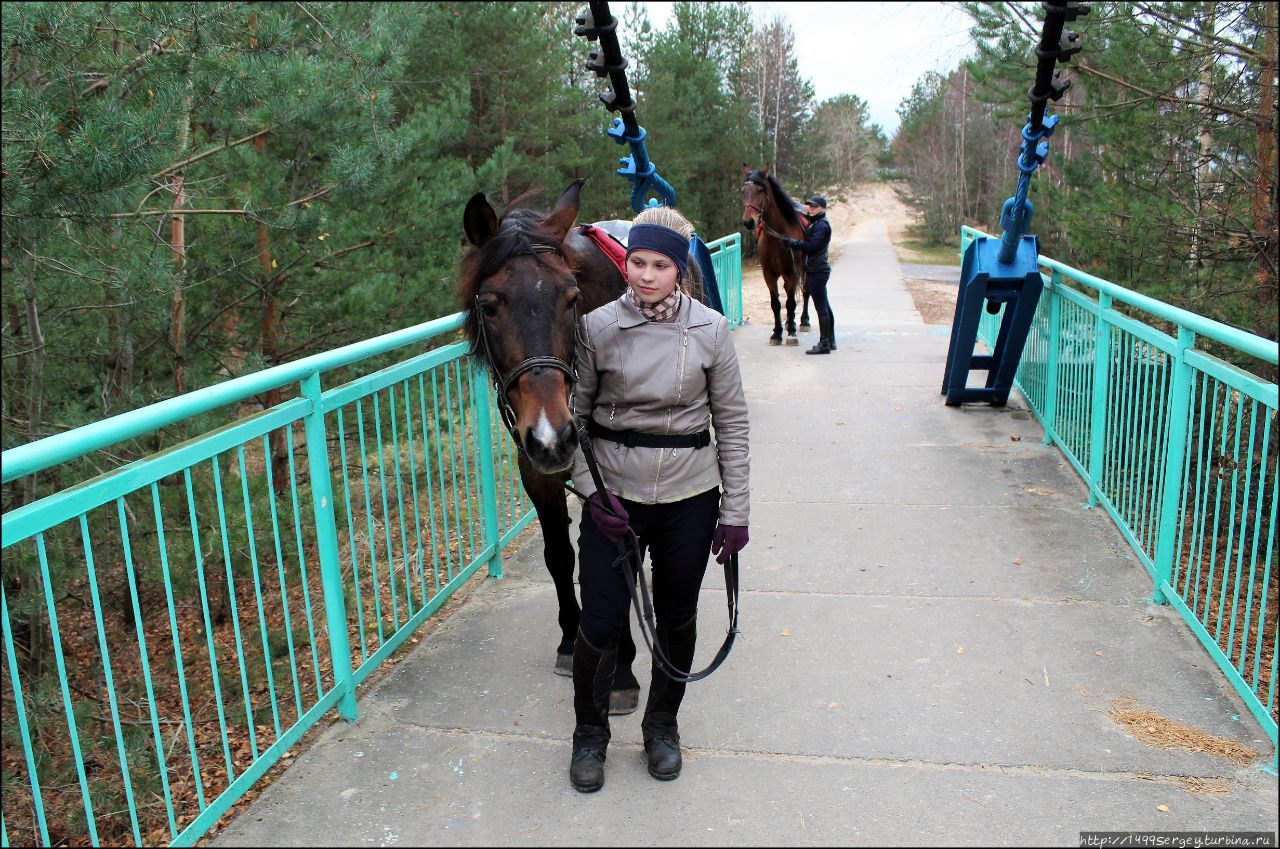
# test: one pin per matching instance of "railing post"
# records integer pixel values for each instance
(488, 485)
(335, 607)
(1098, 406)
(1175, 452)
(1051, 368)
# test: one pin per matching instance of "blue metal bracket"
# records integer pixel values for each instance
(1006, 272)
(639, 169)
(986, 281)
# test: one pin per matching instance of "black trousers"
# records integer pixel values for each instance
(816, 282)
(677, 537)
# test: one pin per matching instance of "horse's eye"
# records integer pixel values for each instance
(572, 299)
(488, 308)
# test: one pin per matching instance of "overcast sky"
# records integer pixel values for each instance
(874, 50)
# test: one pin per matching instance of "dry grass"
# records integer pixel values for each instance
(1162, 733)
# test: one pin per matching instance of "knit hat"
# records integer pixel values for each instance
(663, 240)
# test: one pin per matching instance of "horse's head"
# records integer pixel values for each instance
(755, 195)
(519, 296)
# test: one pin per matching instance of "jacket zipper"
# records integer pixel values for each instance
(684, 351)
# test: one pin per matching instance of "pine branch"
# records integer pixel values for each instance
(100, 85)
(1165, 98)
(1244, 52)
(178, 166)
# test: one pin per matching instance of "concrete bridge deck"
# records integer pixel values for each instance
(933, 630)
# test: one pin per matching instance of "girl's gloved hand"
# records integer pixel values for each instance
(728, 541)
(613, 527)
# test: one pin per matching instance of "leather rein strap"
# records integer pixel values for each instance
(630, 560)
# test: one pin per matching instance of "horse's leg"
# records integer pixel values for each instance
(791, 313)
(776, 306)
(549, 501)
(804, 312)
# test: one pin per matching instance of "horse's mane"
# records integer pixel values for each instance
(781, 199)
(519, 231)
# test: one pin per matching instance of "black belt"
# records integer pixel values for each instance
(632, 438)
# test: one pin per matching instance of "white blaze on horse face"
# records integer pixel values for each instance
(543, 431)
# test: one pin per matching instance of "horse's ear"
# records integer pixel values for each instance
(746, 169)
(566, 212)
(479, 220)
(766, 169)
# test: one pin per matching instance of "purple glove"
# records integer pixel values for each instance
(728, 541)
(613, 527)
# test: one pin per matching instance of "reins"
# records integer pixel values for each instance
(503, 384)
(762, 227)
(630, 558)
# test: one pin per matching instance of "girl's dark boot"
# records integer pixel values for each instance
(592, 678)
(826, 334)
(661, 734)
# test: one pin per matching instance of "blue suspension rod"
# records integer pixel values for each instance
(598, 23)
(1055, 44)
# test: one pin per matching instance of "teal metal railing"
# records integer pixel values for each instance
(1177, 444)
(726, 258)
(172, 627)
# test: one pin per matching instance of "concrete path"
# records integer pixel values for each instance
(932, 633)
(940, 273)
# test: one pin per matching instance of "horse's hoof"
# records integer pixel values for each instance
(804, 325)
(564, 665)
(623, 702)
(774, 340)
(791, 340)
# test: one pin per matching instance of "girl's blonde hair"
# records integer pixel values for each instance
(666, 216)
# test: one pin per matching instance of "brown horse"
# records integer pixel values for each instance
(769, 212)
(525, 281)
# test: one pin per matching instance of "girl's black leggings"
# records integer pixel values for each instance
(677, 537)
(816, 283)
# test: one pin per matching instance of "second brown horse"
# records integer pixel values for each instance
(770, 213)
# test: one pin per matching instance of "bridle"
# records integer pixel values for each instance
(502, 384)
(761, 227)
(630, 557)
(749, 205)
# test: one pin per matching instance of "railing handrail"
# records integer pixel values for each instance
(44, 453)
(724, 240)
(1242, 340)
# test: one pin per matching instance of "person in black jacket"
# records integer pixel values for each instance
(818, 271)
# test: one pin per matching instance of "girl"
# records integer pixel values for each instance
(655, 368)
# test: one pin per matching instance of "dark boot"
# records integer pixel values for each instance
(824, 338)
(592, 677)
(661, 734)
(831, 331)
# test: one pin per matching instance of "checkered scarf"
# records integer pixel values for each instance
(663, 312)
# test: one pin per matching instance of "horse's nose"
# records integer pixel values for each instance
(551, 448)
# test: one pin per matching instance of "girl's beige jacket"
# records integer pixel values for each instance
(677, 377)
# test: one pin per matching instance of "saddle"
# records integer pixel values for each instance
(609, 245)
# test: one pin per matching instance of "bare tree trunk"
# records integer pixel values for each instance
(35, 377)
(1206, 145)
(777, 116)
(34, 635)
(178, 241)
(269, 343)
(1264, 189)
(963, 184)
(502, 134)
